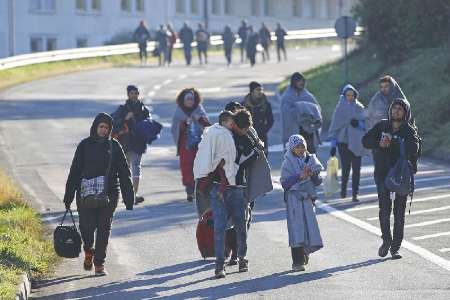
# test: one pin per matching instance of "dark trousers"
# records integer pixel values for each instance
(349, 161)
(281, 48)
(143, 52)
(243, 48)
(228, 52)
(187, 54)
(96, 220)
(298, 255)
(266, 54)
(169, 54)
(202, 51)
(385, 205)
(309, 137)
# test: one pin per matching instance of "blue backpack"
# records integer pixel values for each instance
(194, 135)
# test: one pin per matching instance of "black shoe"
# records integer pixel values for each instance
(355, 198)
(243, 265)
(190, 198)
(220, 272)
(384, 249)
(138, 200)
(396, 255)
(343, 194)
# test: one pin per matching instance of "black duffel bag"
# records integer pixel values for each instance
(67, 239)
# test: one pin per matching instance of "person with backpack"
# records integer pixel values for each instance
(98, 168)
(187, 37)
(392, 140)
(171, 40)
(266, 40)
(260, 108)
(297, 172)
(125, 119)
(202, 39)
(188, 123)
(141, 35)
(345, 132)
(228, 42)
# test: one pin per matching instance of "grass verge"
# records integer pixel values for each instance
(24, 246)
(423, 77)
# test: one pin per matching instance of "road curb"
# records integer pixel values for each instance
(24, 288)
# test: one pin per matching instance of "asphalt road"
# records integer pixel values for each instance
(153, 253)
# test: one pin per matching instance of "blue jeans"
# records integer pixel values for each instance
(232, 205)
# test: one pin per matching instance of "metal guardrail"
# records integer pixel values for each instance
(78, 53)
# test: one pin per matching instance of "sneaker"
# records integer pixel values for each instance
(232, 262)
(298, 267)
(384, 249)
(343, 194)
(243, 265)
(88, 260)
(100, 271)
(396, 255)
(220, 272)
(138, 200)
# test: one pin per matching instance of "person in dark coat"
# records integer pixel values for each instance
(202, 39)
(90, 161)
(189, 112)
(265, 39)
(252, 43)
(242, 32)
(162, 39)
(261, 110)
(280, 33)
(384, 138)
(125, 119)
(228, 41)
(187, 37)
(141, 36)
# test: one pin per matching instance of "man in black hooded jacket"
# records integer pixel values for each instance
(90, 161)
(384, 139)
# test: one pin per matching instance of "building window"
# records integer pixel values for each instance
(297, 8)
(36, 44)
(43, 5)
(125, 5)
(268, 8)
(180, 7)
(228, 7)
(194, 7)
(51, 44)
(140, 6)
(81, 5)
(255, 7)
(82, 42)
(215, 9)
(96, 5)
(309, 8)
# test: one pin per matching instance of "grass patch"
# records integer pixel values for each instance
(23, 243)
(423, 77)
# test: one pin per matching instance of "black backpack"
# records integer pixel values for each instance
(67, 239)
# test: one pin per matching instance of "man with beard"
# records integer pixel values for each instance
(261, 110)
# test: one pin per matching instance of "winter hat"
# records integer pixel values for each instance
(296, 140)
(297, 77)
(253, 86)
(132, 88)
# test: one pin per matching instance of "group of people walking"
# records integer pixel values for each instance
(250, 39)
(225, 170)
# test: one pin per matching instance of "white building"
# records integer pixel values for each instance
(41, 25)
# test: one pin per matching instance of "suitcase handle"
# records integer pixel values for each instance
(71, 215)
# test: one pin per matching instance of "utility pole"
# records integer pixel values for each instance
(11, 28)
(205, 13)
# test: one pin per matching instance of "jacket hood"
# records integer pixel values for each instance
(404, 104)
(297, 77)
(101, 118)
(350, 87)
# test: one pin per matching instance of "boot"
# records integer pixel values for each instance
(88, 259)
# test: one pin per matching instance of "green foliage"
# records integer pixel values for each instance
(394, 27)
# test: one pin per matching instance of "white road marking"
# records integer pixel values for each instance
(210, 90)
(430, 236)
(167, 81)
(151, 93)
(431, 257)
(444, 250)
(220, 69)
(302, 58)
(336, 48)
(244, 66)
(182, 76)
(199, 72)
(157, 87)
(415, 200)
(419, 212)
(438, 221)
